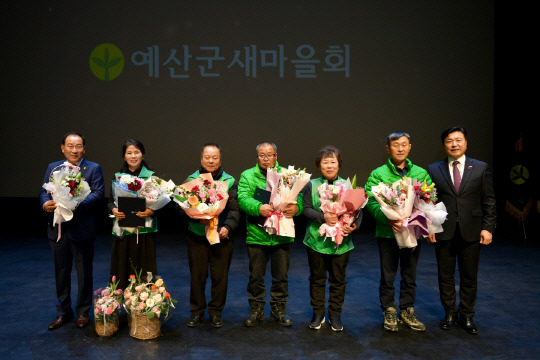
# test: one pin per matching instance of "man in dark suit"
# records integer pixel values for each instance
(76, 241)
(465, 186)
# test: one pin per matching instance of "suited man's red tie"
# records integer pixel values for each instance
(457, 175)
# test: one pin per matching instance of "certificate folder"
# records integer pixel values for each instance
(264, 197)
(130, 206)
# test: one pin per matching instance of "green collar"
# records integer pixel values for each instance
(390, 164)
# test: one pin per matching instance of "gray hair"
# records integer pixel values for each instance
(396, 135)
(265, 144)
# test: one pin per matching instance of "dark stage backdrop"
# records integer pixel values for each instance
(177, 74)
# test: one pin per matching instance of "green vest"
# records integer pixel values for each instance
(144, 174)
(315, 241)
(388, 174)
(196, 227)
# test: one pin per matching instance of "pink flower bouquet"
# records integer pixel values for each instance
(330, 196)
(343, 199)
(397, 203)
(284, 187)
(106, 308)
(204, 199)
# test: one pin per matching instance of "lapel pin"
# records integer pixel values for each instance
(468, 167)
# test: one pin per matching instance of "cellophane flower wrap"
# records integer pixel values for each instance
(397, 203)
(107, 303)
(330, 196)
(203, 199)
(126, 185)
(157, 192)
(68, 189)
(284, 186)
(343, 199)
(354, 198)
(426, 202)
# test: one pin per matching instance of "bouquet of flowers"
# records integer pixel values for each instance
(125, 185)
(284, 187)
(344, 199)
(148, 305)
(330, 196)
(397, 203)
(354, 199)
(426, 202)
(204, 199)
(106, 308)
(68, 189)
(157, 192)
(165, 186)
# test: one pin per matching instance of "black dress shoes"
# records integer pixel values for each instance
(194, 320)
(82, 320)
(468, 324)
(60, 320)
(217, 321)
(448, 322)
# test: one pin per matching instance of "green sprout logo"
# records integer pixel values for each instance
(106, 62)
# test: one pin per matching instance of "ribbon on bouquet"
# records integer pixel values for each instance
(211, 230)
(333, 232)
(61, 214)
(271, 224)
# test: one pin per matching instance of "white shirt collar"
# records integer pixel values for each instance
(460, 159)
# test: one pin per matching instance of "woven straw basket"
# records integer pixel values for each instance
(140, 327)
(108, 328)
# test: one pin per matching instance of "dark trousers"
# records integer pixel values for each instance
(467, 255)
(280, 259)
(319, 266)
(129, 255)
(201, 256)
(65, 253)
(391, 257)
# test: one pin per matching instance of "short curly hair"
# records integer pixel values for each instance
(328, 151)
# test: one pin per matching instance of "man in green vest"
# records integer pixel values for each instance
(217, 257)
(263, 247)
(398, 166)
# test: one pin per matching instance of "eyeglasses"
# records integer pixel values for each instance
(269, 156)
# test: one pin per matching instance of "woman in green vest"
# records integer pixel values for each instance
(324, 261)
(128, 252)
(217, 258)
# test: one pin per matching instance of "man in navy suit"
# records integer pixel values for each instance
(76, 242)
(465, 186)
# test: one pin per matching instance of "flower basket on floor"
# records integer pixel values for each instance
(148, 305)
(106, 309)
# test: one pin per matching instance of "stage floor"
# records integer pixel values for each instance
(509, 291)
